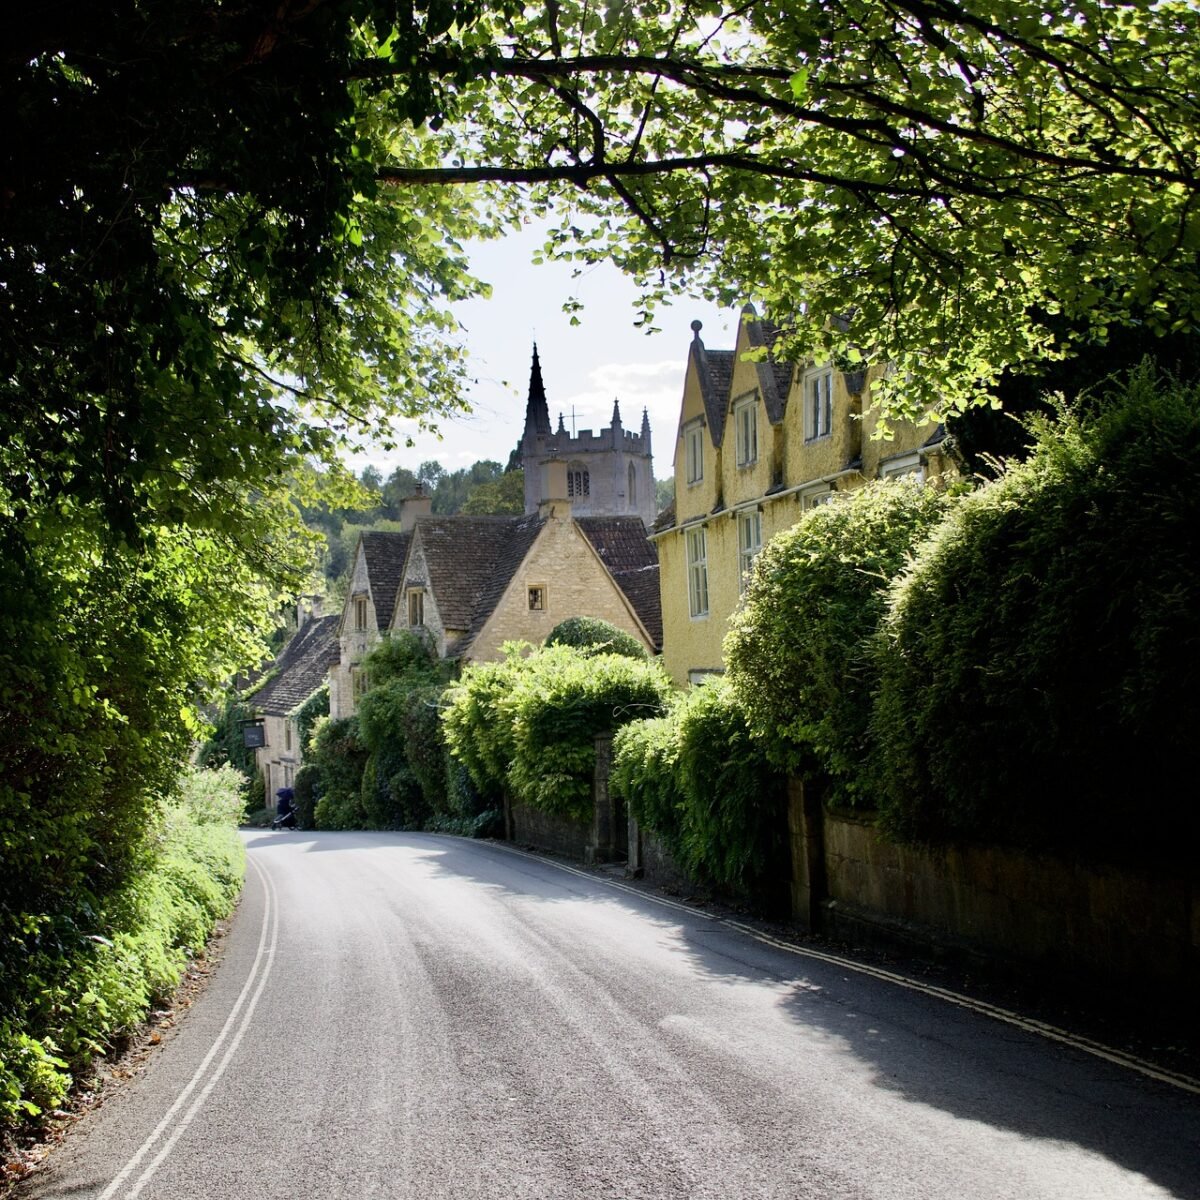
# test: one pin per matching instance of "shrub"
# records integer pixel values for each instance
(529, 724)
(1038, 673)
(799, 650)
(306, 788)
(594, 636)
(226, 744)
(699, 781)
(338, 756)
(92, 974)
(307, 714)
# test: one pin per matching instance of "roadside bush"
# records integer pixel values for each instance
(799, 651)
(307, 714)
(699, 781)
(338, 757)
(529, 724)
(226, 744)
(92, 974)
(594, 636)
(1040, 662)
(404, 780)
(305, 788)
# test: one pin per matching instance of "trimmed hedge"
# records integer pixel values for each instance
(700, 782)
(1040, 662)
(528, 724)
(595, 636)
(799, 650)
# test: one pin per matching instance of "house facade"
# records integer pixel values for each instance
(474, 583)
(298, 672)
(758, 444)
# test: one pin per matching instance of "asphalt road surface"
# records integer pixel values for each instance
(407, 1015)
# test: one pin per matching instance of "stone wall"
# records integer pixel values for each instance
(997, 905)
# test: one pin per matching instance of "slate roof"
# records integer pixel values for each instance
(665, 519)
(385, 554)
(714, 372)
(300, 667)
(470, 561)
(632, 561)
(774, 378)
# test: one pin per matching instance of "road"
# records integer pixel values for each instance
(408, 1015)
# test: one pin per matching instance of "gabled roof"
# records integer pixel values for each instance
(632, 561)
(470, 561)
(300, 667)
(385, 554)
(714, 373)
(774, 378)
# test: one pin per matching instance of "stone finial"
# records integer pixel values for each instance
(616, 417)
(562, 426)
(696, 327)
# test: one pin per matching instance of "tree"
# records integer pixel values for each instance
(504, 496)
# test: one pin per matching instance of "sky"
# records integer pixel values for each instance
(584, 367)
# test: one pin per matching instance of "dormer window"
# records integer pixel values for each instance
(745, 420)
(416, 607)
(818, 404)
(693, 452)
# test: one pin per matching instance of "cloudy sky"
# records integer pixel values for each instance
(584, 367)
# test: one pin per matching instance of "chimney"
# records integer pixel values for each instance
(555, 502)
(414, 507)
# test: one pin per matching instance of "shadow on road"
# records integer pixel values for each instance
(924, 1050)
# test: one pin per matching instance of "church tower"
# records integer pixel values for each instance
(609, 473)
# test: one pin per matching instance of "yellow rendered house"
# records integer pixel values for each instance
(758, 444)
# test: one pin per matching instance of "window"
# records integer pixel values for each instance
(360, 612)
(578, 482)
(749, 544)
(416, 606)
(818, 405)
(745, 418)
(697, 562)
(905, 465)
(632, 486)
(287, 735)
(819, 495)
(537, 598)
(693, 449)
(358, 683)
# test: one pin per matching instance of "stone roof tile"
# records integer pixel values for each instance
(385, 554)
(632, 561)
(300, 668)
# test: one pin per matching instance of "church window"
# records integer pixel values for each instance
(632, 486)
(578, 482)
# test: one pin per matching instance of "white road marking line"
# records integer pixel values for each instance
(260, 969)
(1039, 1028)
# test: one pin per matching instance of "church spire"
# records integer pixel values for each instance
(645, 431)
(537, 412)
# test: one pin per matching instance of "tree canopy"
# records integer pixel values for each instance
(241, 215)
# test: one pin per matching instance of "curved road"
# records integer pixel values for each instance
(408, 1015)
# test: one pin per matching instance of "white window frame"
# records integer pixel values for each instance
(902, 466)
(693, 452)
(815, 497)
(745, 421)
(749, 523)
(696, 541)
(818, 404)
